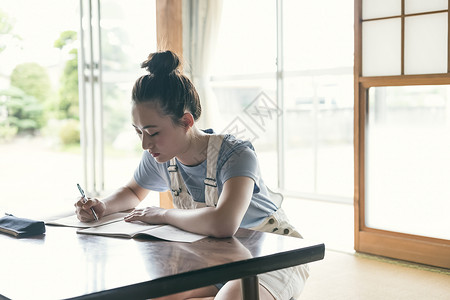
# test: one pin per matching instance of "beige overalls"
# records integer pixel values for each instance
(282, 284)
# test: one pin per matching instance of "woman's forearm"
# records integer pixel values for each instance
(208, 221)
(121, 200)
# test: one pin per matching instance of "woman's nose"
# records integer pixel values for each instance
(146, 141)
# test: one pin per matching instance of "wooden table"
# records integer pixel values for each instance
(65, 265)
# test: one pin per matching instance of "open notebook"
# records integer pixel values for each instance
(114, 225)
(72, 221)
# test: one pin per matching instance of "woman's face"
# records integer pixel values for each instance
(159, 135)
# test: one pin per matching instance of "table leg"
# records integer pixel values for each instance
(250, 288)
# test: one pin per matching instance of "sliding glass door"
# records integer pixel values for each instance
(66, 73)
(402, 80)
(40, 157)
(116, 37)
(407, 162)
(289, 89)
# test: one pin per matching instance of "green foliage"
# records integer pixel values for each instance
(69, 133)
(26, 108)
(24, 113)
(33, 79)
(66, 37)
(68, 92)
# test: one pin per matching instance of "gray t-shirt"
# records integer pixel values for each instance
(236, 158)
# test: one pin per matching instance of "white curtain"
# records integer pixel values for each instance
(201, 21)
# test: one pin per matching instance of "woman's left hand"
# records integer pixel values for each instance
(150, 215)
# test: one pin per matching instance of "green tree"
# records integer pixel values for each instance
(68, 92)
(33, 79)
(24, 113)
(66, 37)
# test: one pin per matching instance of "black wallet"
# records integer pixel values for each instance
(21, 227)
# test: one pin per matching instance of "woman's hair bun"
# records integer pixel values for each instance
(161, 63)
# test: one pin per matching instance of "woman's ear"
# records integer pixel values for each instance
(187, 120)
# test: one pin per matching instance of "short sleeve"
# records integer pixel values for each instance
(151, 175)
(241, 162)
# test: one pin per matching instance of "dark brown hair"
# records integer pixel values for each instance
(167, 87)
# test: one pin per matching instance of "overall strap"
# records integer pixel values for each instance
(175, 184)
(211, 192)
(181, 197)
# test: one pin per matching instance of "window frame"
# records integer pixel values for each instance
(415, 248)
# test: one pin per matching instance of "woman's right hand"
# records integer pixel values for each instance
(83, 209)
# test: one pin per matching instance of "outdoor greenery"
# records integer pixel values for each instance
(68, 93)
(33, 80)
(29, 102)
(69, 133)
(22, 104)
(25, 112)
(31, 106)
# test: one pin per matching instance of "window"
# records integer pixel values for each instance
(407, 165)
(400, 35)
(284, 81)
(244, 77)
(318, 98)
(401, 129)
(41, 158)
(127, 32)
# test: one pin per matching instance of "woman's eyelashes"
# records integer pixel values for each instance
(152, 134)
(139, 132)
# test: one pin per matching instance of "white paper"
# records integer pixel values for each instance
(72, 221)
(171, 233)
(136, 229)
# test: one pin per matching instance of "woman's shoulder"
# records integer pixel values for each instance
(231, 144)
(237, 158)
(233, 147)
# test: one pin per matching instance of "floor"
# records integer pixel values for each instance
(331, 223)
(344, 274)
(348, 276)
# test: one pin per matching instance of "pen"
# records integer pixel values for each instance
(85, 200)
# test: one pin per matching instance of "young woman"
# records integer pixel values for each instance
(215, 179)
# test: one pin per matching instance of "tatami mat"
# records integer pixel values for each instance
(350, 276)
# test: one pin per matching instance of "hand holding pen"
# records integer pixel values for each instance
(85, 200)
